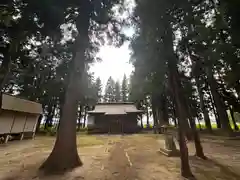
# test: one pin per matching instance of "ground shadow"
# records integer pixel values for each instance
(211, 169)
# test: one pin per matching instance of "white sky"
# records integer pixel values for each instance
(115, 61)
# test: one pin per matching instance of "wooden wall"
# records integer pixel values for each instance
(17, 122)
(116, 123)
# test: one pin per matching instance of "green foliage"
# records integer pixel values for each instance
(98, 88)
(109, 90)
(124, 89)
(117, 93)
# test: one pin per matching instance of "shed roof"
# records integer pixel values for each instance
(14, 103)
(115, 108)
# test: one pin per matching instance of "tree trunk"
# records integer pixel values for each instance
(65, 148)
(39, 123)
(177, 89)
(155, 117)
(197, 141)
(141, 122)
(50, 116)
(220, 106)
(155, 121)
(85, 116)
(233, 119)
(215, 112)
(147, 113)
(185, 167)
(164, 110)
(203, 107)
(79, 118)
(175, 122)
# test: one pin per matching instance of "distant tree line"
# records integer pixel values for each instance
(116, 92)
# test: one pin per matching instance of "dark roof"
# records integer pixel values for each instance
(115, 108)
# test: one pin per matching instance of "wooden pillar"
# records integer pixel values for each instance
(22, 134)
(35, 125)
(6, 138)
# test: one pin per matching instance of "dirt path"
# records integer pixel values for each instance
(130, 157)
(119, 165)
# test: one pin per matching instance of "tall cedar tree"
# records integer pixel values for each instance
(98, 86)
(109, 90)
(124, 89)
(117, 93)
(65, 147)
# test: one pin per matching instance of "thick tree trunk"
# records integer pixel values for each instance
(203, 107)
(185, 167)
(65, 148)
(176, 89)
(220, 106)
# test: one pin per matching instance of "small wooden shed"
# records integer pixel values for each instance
(18, 117)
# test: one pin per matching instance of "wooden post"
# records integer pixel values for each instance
(34, 128)
(22, 136)
(6, 139)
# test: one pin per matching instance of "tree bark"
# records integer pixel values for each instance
(155, 117)
(203, 107)
(176, 87)
(197, 141)
(155, 121)
(220, 106)
(65, 148)
(164, 110)
(147, 113)
(215, 112)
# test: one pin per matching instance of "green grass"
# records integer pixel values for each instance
(214, 126)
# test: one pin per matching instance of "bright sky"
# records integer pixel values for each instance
(115, 63)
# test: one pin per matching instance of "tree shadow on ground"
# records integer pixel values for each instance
(211, 169)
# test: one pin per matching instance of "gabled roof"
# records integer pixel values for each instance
(115, 108)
